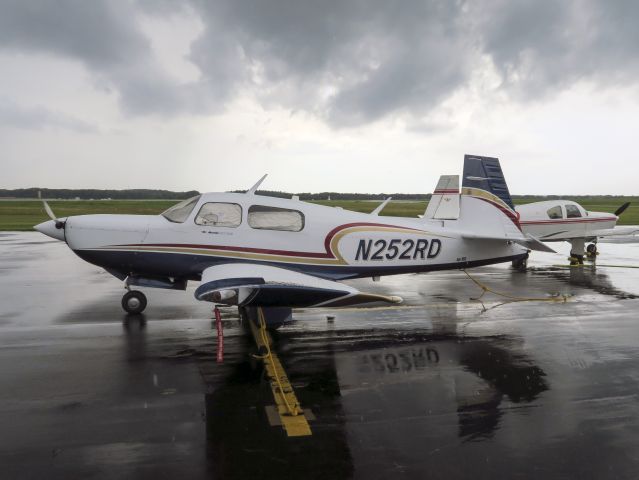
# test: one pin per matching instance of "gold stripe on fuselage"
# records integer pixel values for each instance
(334, 247)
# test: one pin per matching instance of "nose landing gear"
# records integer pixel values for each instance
(134, 302)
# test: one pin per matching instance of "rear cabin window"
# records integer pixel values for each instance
(555, 212)
(273, 218)
(572, 211)
(180, 212)
(217, 214)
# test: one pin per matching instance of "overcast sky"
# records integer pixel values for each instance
(363, 96)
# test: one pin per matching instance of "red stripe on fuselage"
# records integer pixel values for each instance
(336, 230)
(290, 253)
(513, 216)
(568, 221)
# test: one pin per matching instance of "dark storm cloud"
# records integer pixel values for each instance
(96, 32)
(541, 46)
(349, 62)
(104, 36)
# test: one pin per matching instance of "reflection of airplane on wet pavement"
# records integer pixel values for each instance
(433, 388)
(588, 278)
(439, 374)
(257, 251)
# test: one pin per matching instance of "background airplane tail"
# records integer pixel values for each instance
(444, 202)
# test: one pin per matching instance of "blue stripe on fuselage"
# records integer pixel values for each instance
(191, 266)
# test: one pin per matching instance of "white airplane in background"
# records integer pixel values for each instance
(257, 251)
(564, 220)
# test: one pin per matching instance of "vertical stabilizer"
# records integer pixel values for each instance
(483, 178)
(444, 202)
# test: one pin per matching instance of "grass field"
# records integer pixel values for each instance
(18, 215)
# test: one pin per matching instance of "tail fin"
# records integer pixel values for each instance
(487, 211)
(444, 202)
(483, 178)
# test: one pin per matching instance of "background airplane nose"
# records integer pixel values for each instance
(49, 228)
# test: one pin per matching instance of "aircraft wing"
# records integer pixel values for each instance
(602, 233)
(249, 284)
(613, 232)
(527, 241)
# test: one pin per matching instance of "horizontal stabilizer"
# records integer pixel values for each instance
(527, 241)
(534, 244)
(444, 202)
(247, 284)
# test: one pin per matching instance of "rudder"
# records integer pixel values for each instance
(484, 178)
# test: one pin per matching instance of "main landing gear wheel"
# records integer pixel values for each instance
(520, 264)
(134, 302)
(591, 251)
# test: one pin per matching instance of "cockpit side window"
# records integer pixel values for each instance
(572, 211)
(218, 214)
(555, 212)
(180, 212)
(273, 218)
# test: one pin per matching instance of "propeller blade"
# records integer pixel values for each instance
(47, 209)
(622, 209)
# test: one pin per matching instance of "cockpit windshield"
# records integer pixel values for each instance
(180, 212)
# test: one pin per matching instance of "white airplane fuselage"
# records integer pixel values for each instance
(332, 243)
(560, 220)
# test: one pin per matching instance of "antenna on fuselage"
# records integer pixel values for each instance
(381, 206)
(253, 189)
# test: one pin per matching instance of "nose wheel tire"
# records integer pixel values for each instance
(134, 302)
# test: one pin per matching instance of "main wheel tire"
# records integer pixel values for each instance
(520, 264)
(134, 302)
(591, 249)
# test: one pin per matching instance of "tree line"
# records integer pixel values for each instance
(153, 194)
(95, 194)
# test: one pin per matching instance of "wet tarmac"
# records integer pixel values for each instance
(441, 387)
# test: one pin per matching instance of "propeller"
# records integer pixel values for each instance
(622, 209)
(58, 224)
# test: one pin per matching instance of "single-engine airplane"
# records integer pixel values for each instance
(564, 220)
(257, 251)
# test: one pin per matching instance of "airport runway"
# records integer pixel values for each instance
(440, 387)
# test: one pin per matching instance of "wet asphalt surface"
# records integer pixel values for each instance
(441, 387)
